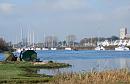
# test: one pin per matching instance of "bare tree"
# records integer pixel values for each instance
(70, 39)
(3, 44)
(51, 41)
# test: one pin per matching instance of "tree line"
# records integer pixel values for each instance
(4, 46)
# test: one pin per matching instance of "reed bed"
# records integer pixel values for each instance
(106, 77)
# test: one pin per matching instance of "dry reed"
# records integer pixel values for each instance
(106, 77)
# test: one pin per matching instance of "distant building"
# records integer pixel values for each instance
(123, 33)
(127, 36)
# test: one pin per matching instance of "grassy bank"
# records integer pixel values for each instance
(107, 77)
(25, 72)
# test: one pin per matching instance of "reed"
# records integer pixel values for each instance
(106, 77)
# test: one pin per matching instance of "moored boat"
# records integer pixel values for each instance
(53, 49)
(45, 49)
(68, 48)
(99, 47)
(121, 48)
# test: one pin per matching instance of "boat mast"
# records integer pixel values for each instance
(30, 38)
(21, 33)
(33, 39)
(44, 43)
(52, 42)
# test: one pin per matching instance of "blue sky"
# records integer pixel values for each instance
(83, 18)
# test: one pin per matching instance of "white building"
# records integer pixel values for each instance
(128, 36)
(123, 32)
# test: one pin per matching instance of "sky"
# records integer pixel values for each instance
(83, 18)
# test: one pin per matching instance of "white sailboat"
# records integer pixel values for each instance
(38, 48)
(99, 47)
(121, 48)
(53, 48)
(44, 48)
(68, 48)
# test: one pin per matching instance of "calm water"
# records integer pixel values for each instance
(85, 61)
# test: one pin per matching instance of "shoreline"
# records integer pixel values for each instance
(26, 72)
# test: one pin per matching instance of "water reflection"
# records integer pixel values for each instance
(123, 63)
(89, 66)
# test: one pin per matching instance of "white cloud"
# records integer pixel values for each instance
(6, 8)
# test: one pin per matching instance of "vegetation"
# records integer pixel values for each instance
(51, 65)
(107, 77)
(4, 46)
(24, 72)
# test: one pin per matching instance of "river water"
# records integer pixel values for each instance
(85, 61)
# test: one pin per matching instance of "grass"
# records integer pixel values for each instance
(25, 72)
(8, 71)
(51, 65)
(107, 77)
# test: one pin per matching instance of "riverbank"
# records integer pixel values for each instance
(25, 72)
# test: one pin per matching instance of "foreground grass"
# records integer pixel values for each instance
(25, 72)
(107, 77)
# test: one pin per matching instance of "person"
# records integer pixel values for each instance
(11, 57)
(21, 53)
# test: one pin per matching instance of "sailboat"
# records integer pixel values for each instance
(44, 48)
(68, 48)
(121, 48)
(99, 47)
(53, 49)
(53, 46)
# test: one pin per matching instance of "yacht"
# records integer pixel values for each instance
(38, 48)
(45, 49)
(53, 49)
(68, 48)
(121, 48)
(99, 47)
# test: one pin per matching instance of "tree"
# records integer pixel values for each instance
(64, 43)
(70, 39)
(3, 45)
(114, 38)
(51, 41)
